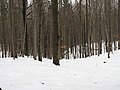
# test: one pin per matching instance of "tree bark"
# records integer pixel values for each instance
(118, 24)
(55, 32)
(39, 3)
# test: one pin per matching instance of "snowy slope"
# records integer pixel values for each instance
(79, 74)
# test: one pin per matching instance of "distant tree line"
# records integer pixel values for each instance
(59, 28)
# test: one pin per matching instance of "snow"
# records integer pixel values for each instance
(93, 73)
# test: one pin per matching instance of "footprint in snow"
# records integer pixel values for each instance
(95, 83)
(43, 83)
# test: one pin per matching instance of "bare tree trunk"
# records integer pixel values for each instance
(35, 30)
(12, 27)
(39, 3)
(55, 32)
(25, 36)
(118, 24)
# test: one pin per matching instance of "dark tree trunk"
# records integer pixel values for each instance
(55, 32)
(25, 41)
(118, 24)
(39, 29)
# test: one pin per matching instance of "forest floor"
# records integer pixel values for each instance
(93, 73)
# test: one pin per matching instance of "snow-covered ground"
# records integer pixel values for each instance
(79, 74)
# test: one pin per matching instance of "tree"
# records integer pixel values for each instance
(34, 30)
(118, 24)
(39, 9)
(3, 30)
(55, 31)
(25, 37)
(11, 11)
